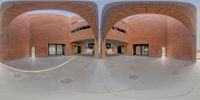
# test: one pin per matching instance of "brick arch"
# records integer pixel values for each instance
(87, 10)
(183, 12)
(114, 12)
(113, 34)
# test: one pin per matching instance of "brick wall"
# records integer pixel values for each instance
(49, 28)
(39, 30)
(158, 31)
(179, 40)
(15, 43)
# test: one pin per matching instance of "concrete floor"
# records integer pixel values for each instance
(37, 63)
(116, 77)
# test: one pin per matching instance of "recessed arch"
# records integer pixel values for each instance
(87, 10)
(184, 12)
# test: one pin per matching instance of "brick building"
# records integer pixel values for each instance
(48, 34)
(139, 28)
(151, 35)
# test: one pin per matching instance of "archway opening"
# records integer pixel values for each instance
(182, 13)
(153, 35)
(43, 38)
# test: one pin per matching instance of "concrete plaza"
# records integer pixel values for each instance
(118, 77)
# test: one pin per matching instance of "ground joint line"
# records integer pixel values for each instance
(39, 71)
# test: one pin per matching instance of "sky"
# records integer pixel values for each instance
(65, 13)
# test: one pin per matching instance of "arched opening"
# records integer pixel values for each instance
(155, 29)
(87, 10)
(184, 13)
(45, 30)
(153, 35)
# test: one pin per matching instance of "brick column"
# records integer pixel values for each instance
(96, 49)
(103, 49)
(70, 48)
(82, 49)
(129, 49)
(194, 48)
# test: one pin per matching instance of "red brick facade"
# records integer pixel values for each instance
(158, 31)
(15, 43)
(39, 30)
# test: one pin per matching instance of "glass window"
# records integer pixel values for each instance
(52, 49)
(138, 50)
(56, 49)
(59, 49)
(145, 50)
(141, 49)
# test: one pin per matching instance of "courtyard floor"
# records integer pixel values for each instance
(84, 78)
(37, 63)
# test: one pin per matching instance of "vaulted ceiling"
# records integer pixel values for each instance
(184, 12)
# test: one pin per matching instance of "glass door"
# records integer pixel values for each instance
(59, 50)
(141, 49)
(56, 49)
(77, 49)
(52, 49)
(138, 50)
(145, 49)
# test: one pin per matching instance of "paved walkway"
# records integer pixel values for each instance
(117, 77)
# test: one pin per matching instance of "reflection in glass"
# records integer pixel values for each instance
(145, 50)
(138, 50)
(141, 49)
(52, 49)
(59, 49)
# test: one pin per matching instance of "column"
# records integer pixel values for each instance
(96, 49)
(103, 49)
(129, 49)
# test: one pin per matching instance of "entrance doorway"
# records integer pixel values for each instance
(90, 49)
(119, 49)
(56, 49)
(77, 49)
(83, 47)
(141, 49)
(108, 48)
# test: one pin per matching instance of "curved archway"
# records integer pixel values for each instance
(42, 35)
(86, 10)
(184, 12)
